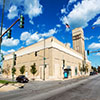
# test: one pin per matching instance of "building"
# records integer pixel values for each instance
(53, 59)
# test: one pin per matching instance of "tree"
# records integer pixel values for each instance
(86, 67)
(22, 69)
(33, 69)
(13, 72)
(6, 70)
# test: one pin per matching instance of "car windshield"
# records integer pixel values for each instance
(22, 76)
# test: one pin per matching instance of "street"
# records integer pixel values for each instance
(75, 89)
(85, 91)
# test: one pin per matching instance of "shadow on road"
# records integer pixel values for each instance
(3, 85)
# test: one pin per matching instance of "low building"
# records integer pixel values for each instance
(53, 59)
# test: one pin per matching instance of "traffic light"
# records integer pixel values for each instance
(87, 52)
(21, 21)
(2, 58)
(35, 53)
(14, 57)
(63, 63)
(9, 33)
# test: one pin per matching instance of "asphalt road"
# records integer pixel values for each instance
(76, 89)
(89, 90)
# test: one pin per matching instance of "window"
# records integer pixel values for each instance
(76, 71)
(63, 63)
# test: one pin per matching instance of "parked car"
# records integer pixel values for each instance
(22, 79)
(91, 73)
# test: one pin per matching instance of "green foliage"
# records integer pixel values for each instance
(81, 69)
(13, 70)
(22, 69)
(5, 81)
(79, 66)
(84, 69)
(33, 69)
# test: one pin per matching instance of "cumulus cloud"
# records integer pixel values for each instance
(3, 29)
(25, 35)
(97, 21)
(13, 12)
(7, 52)
(49, 33)
(86, 38)
(82, 13)
(63, 11)
(10, 42)
(31, 38)
(33, 8)
(94, 46)
(98, 54)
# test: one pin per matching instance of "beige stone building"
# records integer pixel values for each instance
(60, 60)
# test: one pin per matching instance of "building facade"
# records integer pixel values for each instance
(54, 60)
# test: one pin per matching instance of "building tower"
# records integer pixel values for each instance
(78, 40)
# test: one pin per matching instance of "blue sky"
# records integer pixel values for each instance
(45, 18)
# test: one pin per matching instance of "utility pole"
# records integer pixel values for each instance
(2, 23)
(44, 62)
(2, 27)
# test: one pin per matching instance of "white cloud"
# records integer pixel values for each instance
(97, 21)
(63, 11)
(3, 29)
(99, 37)
(33, 8)
(25, 35)
(13, 12)
(82, 13)
(10, 51)
(10, 42)
(98, 54)
(4, 52)
(58, 25)
(34, 37)
(7, 52)
(31, 22)
(72, 1)
(86, 38)
(31, 38)
(49, 33)
(94, 46)
(41, 39)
